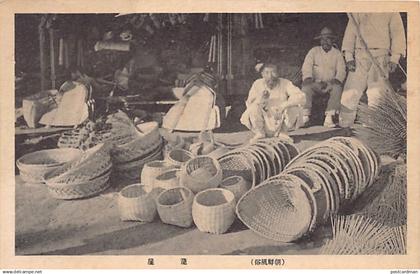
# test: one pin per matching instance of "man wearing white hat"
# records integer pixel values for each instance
(323, 71)
(384, 36)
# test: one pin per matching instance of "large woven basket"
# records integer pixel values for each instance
(178, 157)
(237, 165)
(213, 210)
(136, 203)
(92, 163)
(201, 173)
(175, 206)
(153, 169)
(278, 209)
(81, 188)
(33, 166)
(167, 180)
(237, 185)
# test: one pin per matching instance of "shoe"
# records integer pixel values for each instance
(328, 122)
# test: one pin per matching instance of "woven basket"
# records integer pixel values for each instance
(237, 165)
(89, 165)
(175, 206)
(237, 185)
(153, 169)
(213, 210)
(33, 166)
(141, 145)
(136, 203)
(278, 209)
(178, 157)
(79, 189)
(167, 180)
(201, 173)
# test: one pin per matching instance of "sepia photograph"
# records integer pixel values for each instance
(228, 134)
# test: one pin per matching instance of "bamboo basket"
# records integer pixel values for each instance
(153, 169)
(201, 173)
(167, 180)
(178, 157)
(33, 166)
(81, 188)
(278, 209)
(237, 185)
(213, 210)
(136, 203)
(175, 206)
(237, 165)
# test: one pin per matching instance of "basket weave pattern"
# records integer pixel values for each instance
(201, 173)
(175, 206)
(135, 203)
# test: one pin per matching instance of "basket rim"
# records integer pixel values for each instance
(19, 162)
(54, 183)
(186, 152)
(190, 194)
(227, 191)
(244, 160)
(143, 187)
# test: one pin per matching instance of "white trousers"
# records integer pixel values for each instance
(366, 77)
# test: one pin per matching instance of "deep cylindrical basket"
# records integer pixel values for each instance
(213, 210)
(79, 189)
(33, 166)
(178, 157)
(153, 169)
(201, 173)
(277, 209)
(237, 185)
(136, 203)
(175, 206)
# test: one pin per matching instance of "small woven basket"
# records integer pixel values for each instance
(237, 185)
(80, 189)
(175, 206)
(237, 165)
(213, 210)
(178, 157)
(136, 203)
(277, 209)
(201, 173)
(33, 166)
(153, 169)
(167, 180)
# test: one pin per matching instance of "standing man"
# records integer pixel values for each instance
(385, 38)
(323, 71)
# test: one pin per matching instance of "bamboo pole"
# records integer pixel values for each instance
(42, 63)
(52, 58)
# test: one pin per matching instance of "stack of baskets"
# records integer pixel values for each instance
(86, 176)
(326, 177)
(33, 166)
(129, 158)
(259, 161)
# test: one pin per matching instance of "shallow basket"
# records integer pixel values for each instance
(175, 206)
(237, 185)
(81, 189)
(213, 210)
(153, 169)
(178, 157)
(33, 166)
(201, 173)
(136, 203)
(277, 209)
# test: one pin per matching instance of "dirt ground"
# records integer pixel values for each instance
(92, 226)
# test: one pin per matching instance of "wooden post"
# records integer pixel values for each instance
(42, 63)
(52, 58)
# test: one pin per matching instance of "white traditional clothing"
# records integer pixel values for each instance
(385, 37)
(260, 117)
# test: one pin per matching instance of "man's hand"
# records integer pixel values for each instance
(351, 65)
(392, 67)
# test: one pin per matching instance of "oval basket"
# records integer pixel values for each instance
(213, 210)
(278, 209)
(33, 166)
(178, 157)
(136, 203)
(201, 173)
(153, 169)
(237, 185)
(175, 206)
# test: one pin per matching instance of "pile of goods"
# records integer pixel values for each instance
(314, 185)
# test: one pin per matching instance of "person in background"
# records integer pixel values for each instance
(274, 105)
(385, 38)
(323, 72)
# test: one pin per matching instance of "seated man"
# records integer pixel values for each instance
(273, 105)
(323, 72)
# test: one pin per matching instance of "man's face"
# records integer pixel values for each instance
(270, 75)
(326, 43)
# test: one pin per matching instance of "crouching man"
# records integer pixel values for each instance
(323, 72)
(274, 105)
